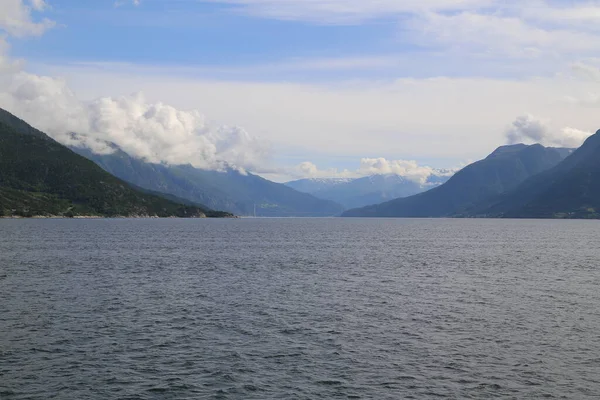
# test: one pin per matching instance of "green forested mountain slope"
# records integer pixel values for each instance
(39, 176)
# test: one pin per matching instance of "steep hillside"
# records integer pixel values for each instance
(569, 190)
(230, 190)
(500, 172)
(39, 176)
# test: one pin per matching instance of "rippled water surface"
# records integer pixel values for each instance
(299, 309)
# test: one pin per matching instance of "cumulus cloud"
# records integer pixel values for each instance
(16, 18)
(307, 168)
(406, 168)
(530, 129)
(526, 127)
(155, 132)
(371, 166)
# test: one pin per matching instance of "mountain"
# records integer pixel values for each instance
(230, 190)
(569, 190)
(315, 185)
(359, 192)
(501, 172)
(40, 177)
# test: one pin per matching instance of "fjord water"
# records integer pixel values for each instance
(299, 309)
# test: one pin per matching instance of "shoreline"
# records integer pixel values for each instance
(113, 217)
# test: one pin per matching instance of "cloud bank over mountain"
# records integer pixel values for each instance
(155, 132)
(409, 169)
(529, 129)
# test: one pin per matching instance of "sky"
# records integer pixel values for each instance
(304, 88)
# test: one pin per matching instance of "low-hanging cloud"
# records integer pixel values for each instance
(407, 168)
(373, 166)
(155, 132)
(530, 129)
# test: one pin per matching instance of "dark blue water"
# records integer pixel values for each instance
(299, 309)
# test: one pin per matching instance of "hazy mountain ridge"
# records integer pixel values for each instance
(500, 172)
(230, 190)
(373, 189)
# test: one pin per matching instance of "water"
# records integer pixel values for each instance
(299, 309)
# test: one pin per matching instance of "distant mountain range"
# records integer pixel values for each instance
(475, 187)
(359, 192)
(40, 177)
(237, 192)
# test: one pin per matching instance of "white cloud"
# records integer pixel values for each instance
(45, 102)
(580, 14)
(156, 132)
(162, 133)
(308, 169)
(572, 137)
(406, 168)
(16, 18)
(529, 129)
(39, 5)
(120, 3)
(498, 36)
(7, 65)
(369, 166)
(526, 127)
(443, 119)
(347, 11)
(153, 131)
(586, 71)
(591, 74)
(497, 29)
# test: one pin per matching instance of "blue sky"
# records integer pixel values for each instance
(231, 41)
(219, 37)
(197, 33)
(325, 82)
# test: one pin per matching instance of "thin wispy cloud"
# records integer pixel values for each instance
(348, 11)
(499, 36)
(120, 3)
(482, 28)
